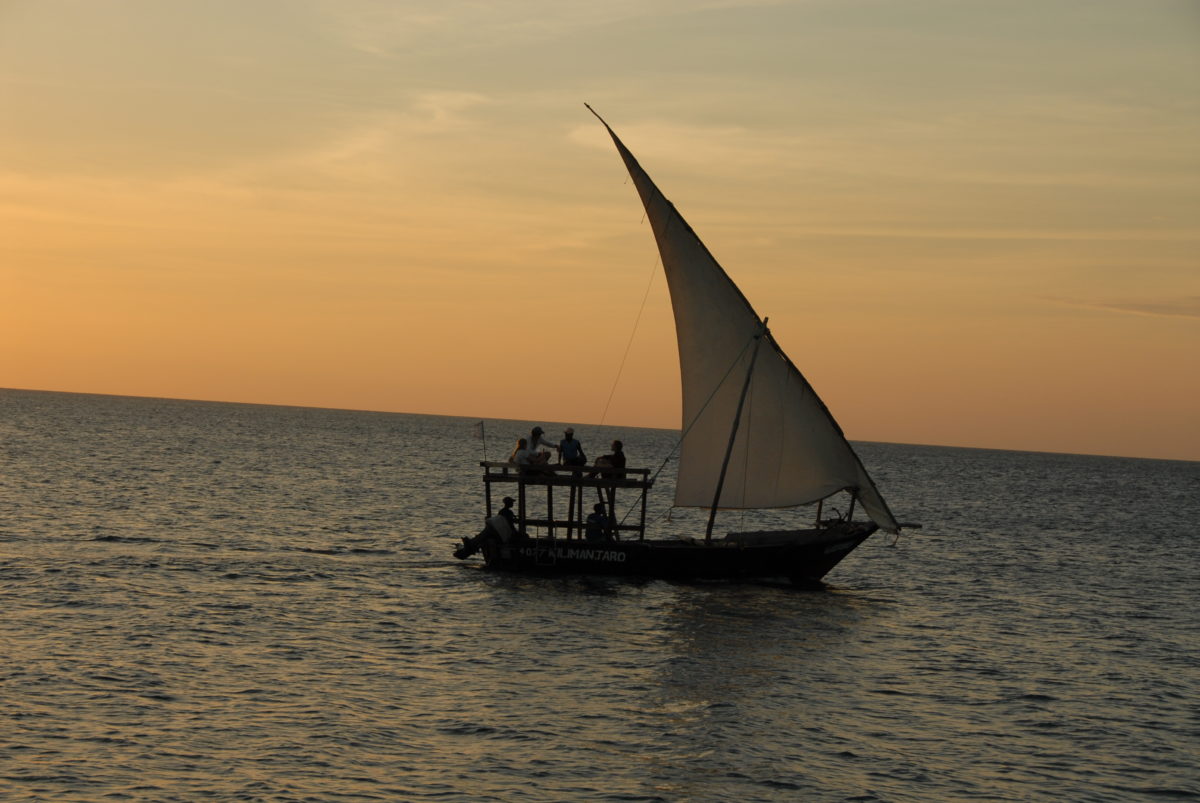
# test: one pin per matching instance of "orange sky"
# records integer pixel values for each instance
(970, 224)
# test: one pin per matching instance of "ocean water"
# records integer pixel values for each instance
(235, 602)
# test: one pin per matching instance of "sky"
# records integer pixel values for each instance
(970, 223)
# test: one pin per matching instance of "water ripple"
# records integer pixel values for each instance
(247, 603)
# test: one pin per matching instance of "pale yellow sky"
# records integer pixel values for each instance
(970, 223)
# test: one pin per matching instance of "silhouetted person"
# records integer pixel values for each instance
(538, 454)
(596, 528)
(520, 453)
(501, 528)
(570, 451)
(615, 460)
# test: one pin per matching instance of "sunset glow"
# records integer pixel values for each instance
(969, 224)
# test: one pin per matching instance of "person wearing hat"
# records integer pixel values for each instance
(570, 451)
(536, 441)
(508, 514)
(502, 527)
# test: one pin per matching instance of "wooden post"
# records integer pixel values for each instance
(487, 489)
(612, 514)
(642, 526)
(580, 513)
(521, 501)
(571, 509)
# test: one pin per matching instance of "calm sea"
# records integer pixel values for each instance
(235, 602)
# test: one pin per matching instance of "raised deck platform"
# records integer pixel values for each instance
(577, 480)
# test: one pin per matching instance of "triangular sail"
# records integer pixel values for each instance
(789, 450)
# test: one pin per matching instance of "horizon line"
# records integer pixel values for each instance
(610, 426)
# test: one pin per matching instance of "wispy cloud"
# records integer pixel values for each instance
(385, 28)
(1183, 307)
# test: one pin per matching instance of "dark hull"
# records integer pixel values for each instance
(802, 556)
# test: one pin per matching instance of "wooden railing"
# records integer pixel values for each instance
(606, 480)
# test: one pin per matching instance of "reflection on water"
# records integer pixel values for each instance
(228, 601)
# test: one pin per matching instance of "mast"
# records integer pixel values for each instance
(737, 418)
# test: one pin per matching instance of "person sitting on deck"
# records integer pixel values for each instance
(520, 453)
(570, 450)
(596, 528)
(615, 460)
(526, 461)
(501, 528)
(538, 455)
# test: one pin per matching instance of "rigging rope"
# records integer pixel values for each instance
(670, 219)
(637, 321)
(692, 423)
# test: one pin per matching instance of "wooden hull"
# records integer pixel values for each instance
(802, 556)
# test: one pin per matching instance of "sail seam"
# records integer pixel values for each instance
(695, 419)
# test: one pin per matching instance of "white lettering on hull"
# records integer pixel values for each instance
(576, 553)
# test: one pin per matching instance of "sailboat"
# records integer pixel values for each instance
(755, 436)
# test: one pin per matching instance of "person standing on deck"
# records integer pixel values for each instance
(570, 450)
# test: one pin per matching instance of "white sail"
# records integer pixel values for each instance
(789, 450)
